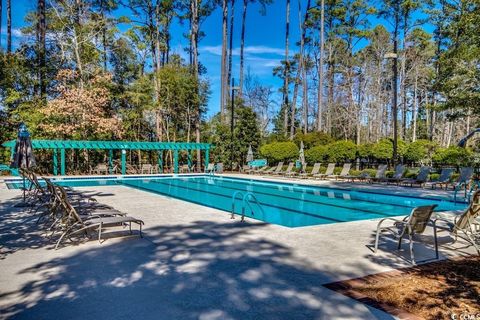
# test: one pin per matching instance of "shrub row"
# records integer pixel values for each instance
(420, 151)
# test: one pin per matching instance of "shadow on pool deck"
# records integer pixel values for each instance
(203, 270)
(18, 226)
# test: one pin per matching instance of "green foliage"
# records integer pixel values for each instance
(316, 154)
(341, 151)
(420, 151)
(383, 150)
(279, 151)
(453, 155)
(246, 132)
(365, 150)
(312, 139)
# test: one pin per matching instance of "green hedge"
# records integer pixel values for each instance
(339, 151)
(280, 151)
(453, 155)
(420, 150)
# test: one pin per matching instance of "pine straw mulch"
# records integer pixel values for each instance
(431, 291)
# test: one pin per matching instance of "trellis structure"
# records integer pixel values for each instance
(62, 145)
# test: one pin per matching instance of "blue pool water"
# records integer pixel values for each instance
(285, 204)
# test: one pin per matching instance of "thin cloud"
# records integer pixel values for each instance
(16, 33)
(217, 50)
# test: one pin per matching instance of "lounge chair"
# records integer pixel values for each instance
(100, 169)
(289, 171)
(344, 174)
(411, 225)
(146, 168)
(315, 171)
(466, 225)
(74, 224)
(443, 180)
(464, 179)
(397, 175)
(260, 170)
(420, 179)
(380, 175)
(210, 168)
(131, 169)
(276, 169)
(328, 172)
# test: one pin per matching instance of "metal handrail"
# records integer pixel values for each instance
(234, 196)
(246, 200)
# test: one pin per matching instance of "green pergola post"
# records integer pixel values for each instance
(55, 162)
(110, 161)
(175, 161)
(207, 157)
(124, 161)
(160, 161)
(189, 159)
(62, 161)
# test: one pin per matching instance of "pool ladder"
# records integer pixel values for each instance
(246, 201)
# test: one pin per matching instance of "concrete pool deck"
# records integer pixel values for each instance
(193, 263)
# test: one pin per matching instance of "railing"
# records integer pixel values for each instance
(246, 200)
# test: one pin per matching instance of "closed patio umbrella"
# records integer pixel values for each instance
(249, 154)
(23, 153)
(301, 157)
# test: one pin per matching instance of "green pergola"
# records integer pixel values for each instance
(61, 145)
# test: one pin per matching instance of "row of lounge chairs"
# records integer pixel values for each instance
(69, 214)
(444, 180)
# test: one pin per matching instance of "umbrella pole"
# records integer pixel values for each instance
(24, 189)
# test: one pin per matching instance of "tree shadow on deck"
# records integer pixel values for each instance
(202, 270)
(18, 225)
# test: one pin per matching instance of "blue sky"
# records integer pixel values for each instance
(264, 42)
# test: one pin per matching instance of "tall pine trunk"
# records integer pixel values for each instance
(9, 26)
(230, 48)
(194, 44)
(41, 34)
(223, 89)
(242, 45)
(286, 71)
(1, 12)
(320, 67)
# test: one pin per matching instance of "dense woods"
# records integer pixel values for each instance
(356, 70)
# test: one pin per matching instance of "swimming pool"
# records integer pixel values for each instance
(286, 204)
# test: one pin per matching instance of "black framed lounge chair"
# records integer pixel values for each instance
(74, 224)
(276, 169)
(420, 179)
(464, 226)
(443, 180)
(344, 174)
(466, 174)
(315, 171)
(328, 172)
(397, 175)
(410, 226)
(380, 175)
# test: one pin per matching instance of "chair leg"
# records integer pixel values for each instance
(436, 241)
(400, 242)
(100, 233)
(411, 249)
(377, 237)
